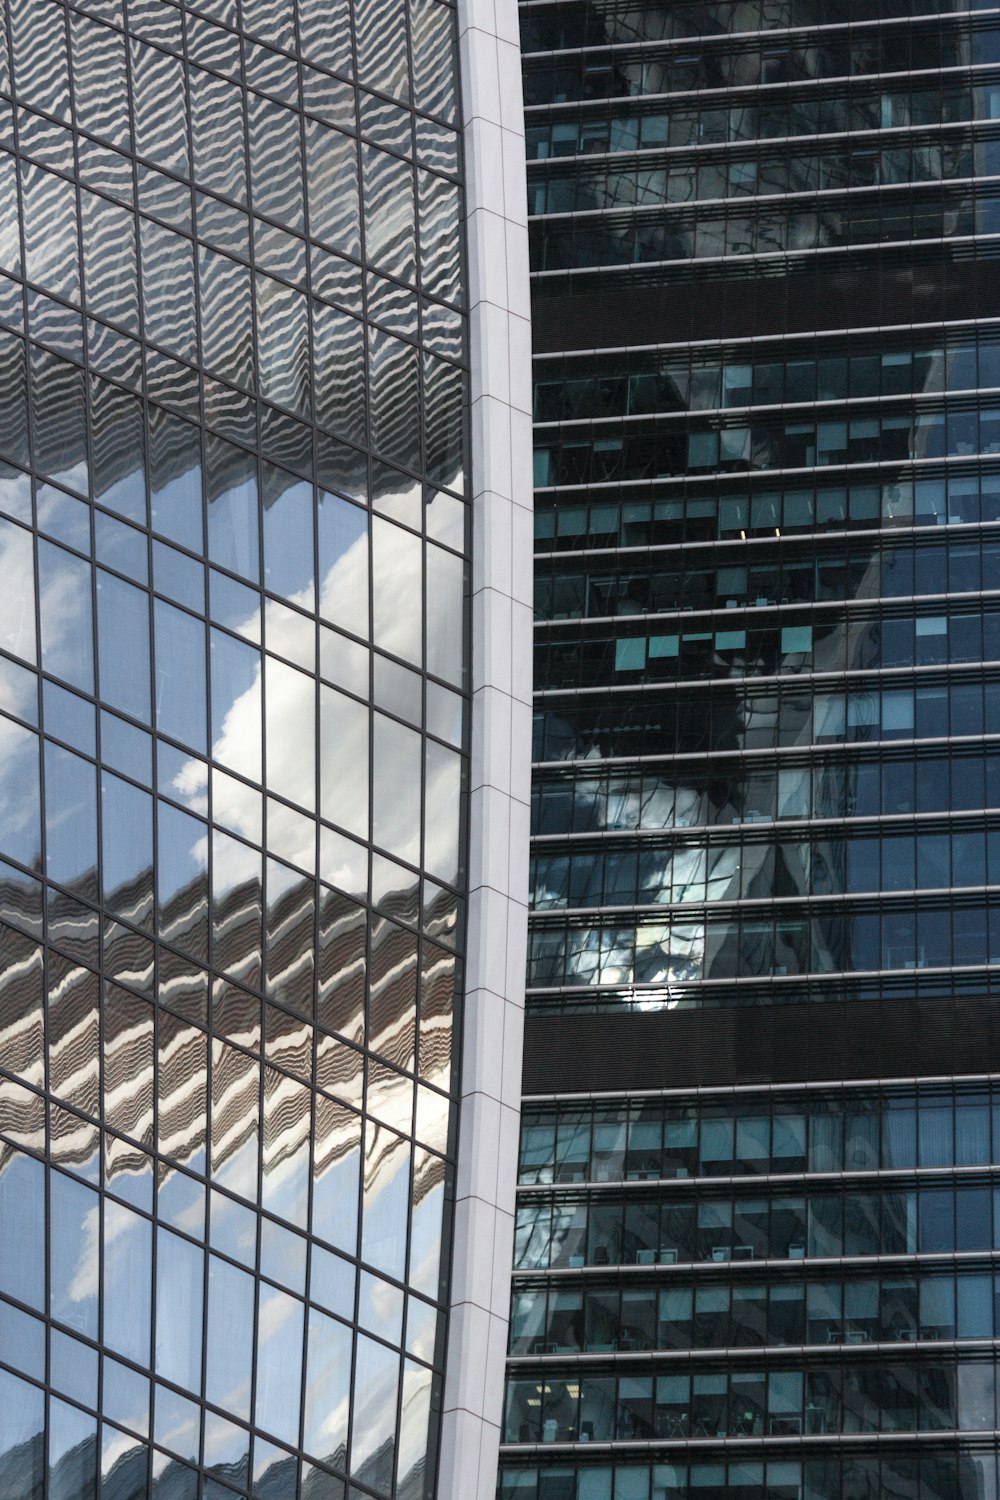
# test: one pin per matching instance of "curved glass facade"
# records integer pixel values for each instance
(756, 1214)
(234, 674)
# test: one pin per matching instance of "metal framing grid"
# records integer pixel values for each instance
(46, 43)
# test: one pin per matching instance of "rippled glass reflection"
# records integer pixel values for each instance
(231, 329)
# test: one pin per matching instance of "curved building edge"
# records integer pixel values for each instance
(500, 781)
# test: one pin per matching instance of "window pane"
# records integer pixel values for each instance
(328, 1385)
(123, 645)
(376, 1384)
(22, 1227)
(279, 1363)
(180, 1269)
(128, 1259)
(386, 1200)
(74, 1250)
(22, 1436)
(229, 1350)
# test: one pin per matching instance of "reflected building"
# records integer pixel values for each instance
(246, 474)
(760, 1139)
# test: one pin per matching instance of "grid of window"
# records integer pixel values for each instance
(751, 1262)
(233, 677)
(548, 26)
(902, 708)
(930, 1395)
(895, 1129)
(944, 1474)
(632, 1317)
(759, 608)
(824, 108)
(681, 1229)
(658, 179)
(706, 61)
(766, 502)
(667, 581)
(730, 508)
(728, 792)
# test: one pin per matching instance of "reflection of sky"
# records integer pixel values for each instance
(279, 1362)
(285, 697)
(327, 1387)
(17, 604)
(287, 700)
(376, 1383)
(64, 607)
(115, 1446)
(181, 1433)
(386, 1200)
(19, 809)
(697, 871)
(425, 1229)
(381, 1307)
(421, 1329)
(414, 1419)
(85, 1281)
(273, 695)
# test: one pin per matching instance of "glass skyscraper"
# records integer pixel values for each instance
(758, 1195)
(243, 606)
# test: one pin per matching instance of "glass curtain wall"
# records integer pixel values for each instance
(767, 468)
(233, 676)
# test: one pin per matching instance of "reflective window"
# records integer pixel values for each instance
(22, 1431)
(74, 1219)
(179, 1297)
(23, 1221)
(279, 1363)
(226, 409)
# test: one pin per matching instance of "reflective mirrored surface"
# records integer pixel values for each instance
(231, 327)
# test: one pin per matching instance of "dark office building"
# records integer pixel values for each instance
(237, 781)
(760, 1147)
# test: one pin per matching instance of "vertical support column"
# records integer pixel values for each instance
(500, 338)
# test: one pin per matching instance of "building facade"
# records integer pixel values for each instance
(759, 1153)
(257, 629)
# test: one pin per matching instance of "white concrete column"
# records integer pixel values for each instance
(500, 349)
